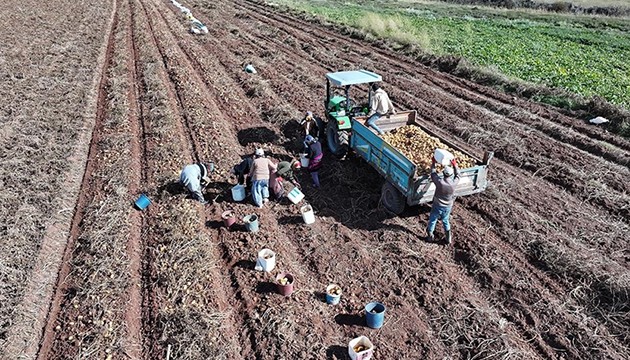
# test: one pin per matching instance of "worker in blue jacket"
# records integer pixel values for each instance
(195, 178)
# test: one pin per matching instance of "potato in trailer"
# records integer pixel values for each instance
(403, 187)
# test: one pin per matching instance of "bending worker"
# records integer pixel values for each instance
(242, 170)
(379, 106)
(261, 169)
(443, 199)
(284, 172)
(312, 125)
(195, 178)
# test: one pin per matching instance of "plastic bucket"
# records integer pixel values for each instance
(267, 259)
(443, 156)
(363, 345)
(250, 69)
(333, 298)
(295, 195)
(285, 289)
(142, 202)
(304, 161)
(374, 314)
(251, 222)
(228, 218)
(307, 214)
(238, 193)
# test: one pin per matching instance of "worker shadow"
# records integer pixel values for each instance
(172, 188)
(265, 287)
(245, 264)
(350, 320)
(219, 192)
(293, 132)
(256, 135)
(290, 220)
(336, 352)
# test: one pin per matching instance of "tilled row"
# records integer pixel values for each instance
(297, 59)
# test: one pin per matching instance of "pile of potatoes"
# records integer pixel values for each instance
(418, 146)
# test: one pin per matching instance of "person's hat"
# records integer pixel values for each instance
(309, 115)
(296, 165)
(309, 139)
(259, 152)
(447, 171)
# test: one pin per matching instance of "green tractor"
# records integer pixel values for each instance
(341, 108)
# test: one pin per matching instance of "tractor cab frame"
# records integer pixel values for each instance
(341, 109)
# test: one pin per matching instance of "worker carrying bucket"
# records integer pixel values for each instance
(443, 198)
(195, 178)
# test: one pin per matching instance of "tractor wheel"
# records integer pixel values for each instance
(338, 140)
(392, 199)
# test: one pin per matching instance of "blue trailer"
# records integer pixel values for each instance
(403, 186)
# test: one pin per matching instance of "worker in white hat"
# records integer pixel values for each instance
(195, 178)
(261, 170)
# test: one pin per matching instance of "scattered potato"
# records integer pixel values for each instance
(418, 146)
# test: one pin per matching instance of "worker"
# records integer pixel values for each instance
(312, 125)
(284, 172)
(195, 178)
(443, 199)
(260, 172)
(315, 156)
(242, 170)
(380, 105)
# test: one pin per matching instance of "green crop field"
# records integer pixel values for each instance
(585, 55)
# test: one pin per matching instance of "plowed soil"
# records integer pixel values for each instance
(539, 267)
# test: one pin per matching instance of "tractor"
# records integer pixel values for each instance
(341, 108)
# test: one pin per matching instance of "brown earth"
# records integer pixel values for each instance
(540, 264)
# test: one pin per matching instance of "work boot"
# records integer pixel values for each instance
(430, 237)
(449, 238)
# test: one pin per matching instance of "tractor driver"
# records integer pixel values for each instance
(379, 106)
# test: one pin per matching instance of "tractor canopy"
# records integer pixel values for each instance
(341, 108)
(344, 78)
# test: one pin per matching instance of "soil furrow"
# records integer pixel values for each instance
(616, 172)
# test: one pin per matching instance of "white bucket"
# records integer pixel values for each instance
(238, 193)
(304, 161)
(266, 260)
(307, 214)
(443, 156)
(360, 355)
(295, 195)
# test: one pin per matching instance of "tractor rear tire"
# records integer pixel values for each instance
(392, 199)
(338, 140)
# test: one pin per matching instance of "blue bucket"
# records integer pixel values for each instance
(142, 202)
(251, 222)
(374, 314)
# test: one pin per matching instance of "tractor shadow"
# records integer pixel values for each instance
(350, 193)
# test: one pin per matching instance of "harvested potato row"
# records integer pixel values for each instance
(418, 146)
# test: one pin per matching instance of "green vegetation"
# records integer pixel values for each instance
(585, 55)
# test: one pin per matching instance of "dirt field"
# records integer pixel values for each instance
(539, 269)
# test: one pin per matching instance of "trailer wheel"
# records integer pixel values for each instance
(338, 140)
(392, 199)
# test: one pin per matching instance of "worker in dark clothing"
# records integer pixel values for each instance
(443, 199)
(312, 125)
(242, 170)
(195, 178)
(315, 156)
(284, 172)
